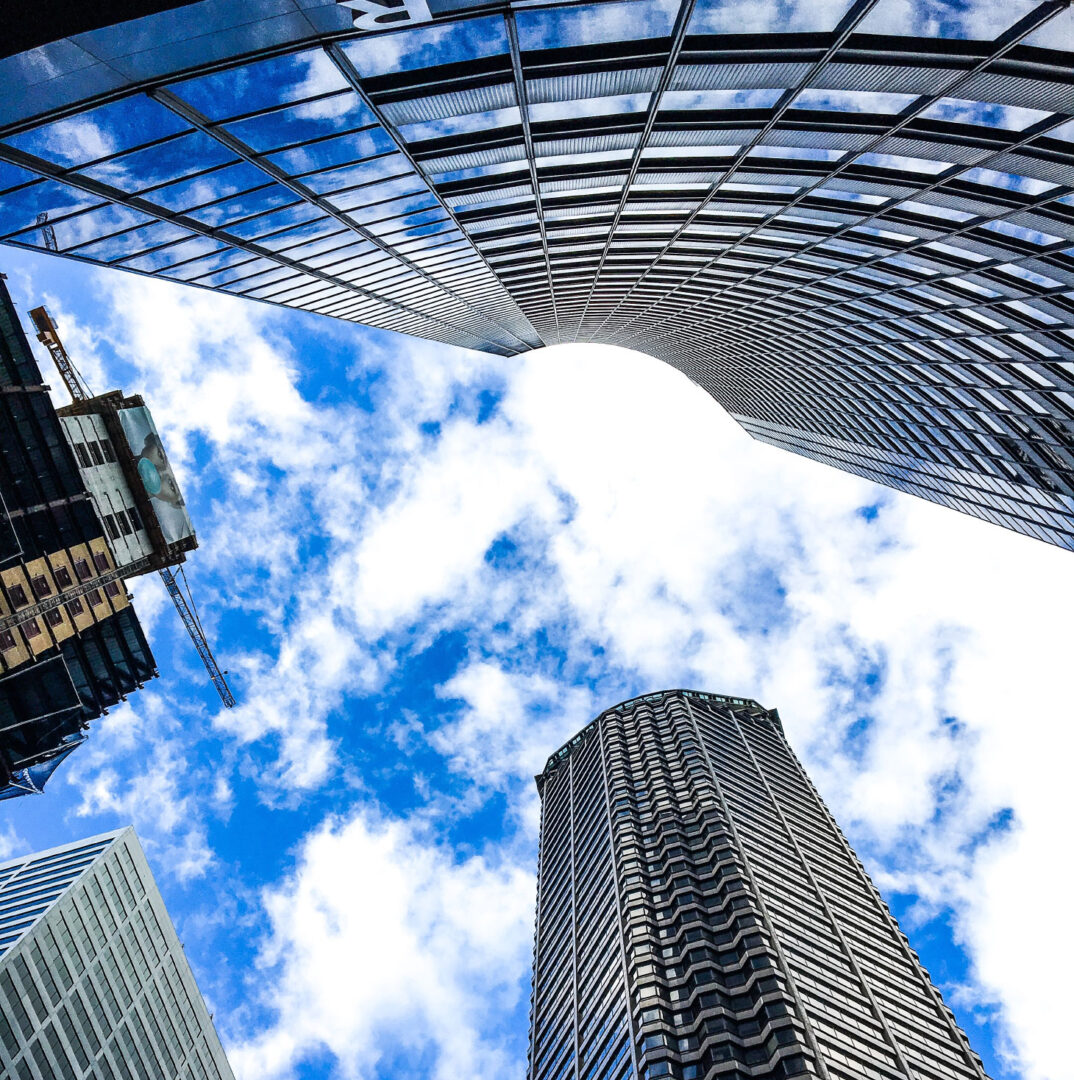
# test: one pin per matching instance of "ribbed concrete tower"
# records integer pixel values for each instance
(701, 915)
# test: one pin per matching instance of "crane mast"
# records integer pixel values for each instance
(79, 391)
(48, 233)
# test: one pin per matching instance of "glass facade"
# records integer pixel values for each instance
(93, 980)
(852, 223)
(700, 914)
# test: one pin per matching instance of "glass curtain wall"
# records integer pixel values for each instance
(852, 222)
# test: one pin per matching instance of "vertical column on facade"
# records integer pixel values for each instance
(538, 968)
(601, 1031)
(924, 1025)
(830, 992)
(522, 96)
(622, 838)
(575, 1007)
(803, 1029)
(678, 36)
(638, 799)
(553, 1045)
(638, 777)
(777, 813)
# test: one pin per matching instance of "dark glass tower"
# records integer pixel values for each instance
(852, 222)
(71, 645)
(701, 915)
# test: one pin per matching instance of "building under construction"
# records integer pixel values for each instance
(87, 500)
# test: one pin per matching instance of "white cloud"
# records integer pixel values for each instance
(981, 20)
(453, 502)
(10, 842)
(321, 76)
(673, 514)
(137, 767)
(509, 725)
(651, 536)
(751, 16)
(385, 945)
(78, 140)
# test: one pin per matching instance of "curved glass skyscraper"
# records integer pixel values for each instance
(700, 915)
(850, 222)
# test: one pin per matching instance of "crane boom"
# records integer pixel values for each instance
(79, 391)
(193, 627)
(46, 334)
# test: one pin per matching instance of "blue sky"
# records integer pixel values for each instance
(426, 568)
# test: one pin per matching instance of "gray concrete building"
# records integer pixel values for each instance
(700, 914)
(93, 980)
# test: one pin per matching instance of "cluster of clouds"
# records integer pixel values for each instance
(591, 526)
(391, 953)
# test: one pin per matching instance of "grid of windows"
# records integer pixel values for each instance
(700, 914)
(852, 223)
(93, 981)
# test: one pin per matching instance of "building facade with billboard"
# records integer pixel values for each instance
(851, 223)
(93, 980)
(126, 470)
(700, 914)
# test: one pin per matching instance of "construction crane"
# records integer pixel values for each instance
(48, 233)
(184, 604)
(46, 334)
(189, 614)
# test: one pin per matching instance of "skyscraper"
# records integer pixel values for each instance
(93, 980)
(850, 222)
(700, 914)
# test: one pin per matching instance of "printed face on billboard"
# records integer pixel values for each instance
(156, 473)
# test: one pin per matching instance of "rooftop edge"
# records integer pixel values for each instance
(568, 748)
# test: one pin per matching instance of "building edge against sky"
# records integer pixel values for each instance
(852, 224)
(93, 980)
(701, 914)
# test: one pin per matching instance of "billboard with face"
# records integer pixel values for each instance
(156, 473)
